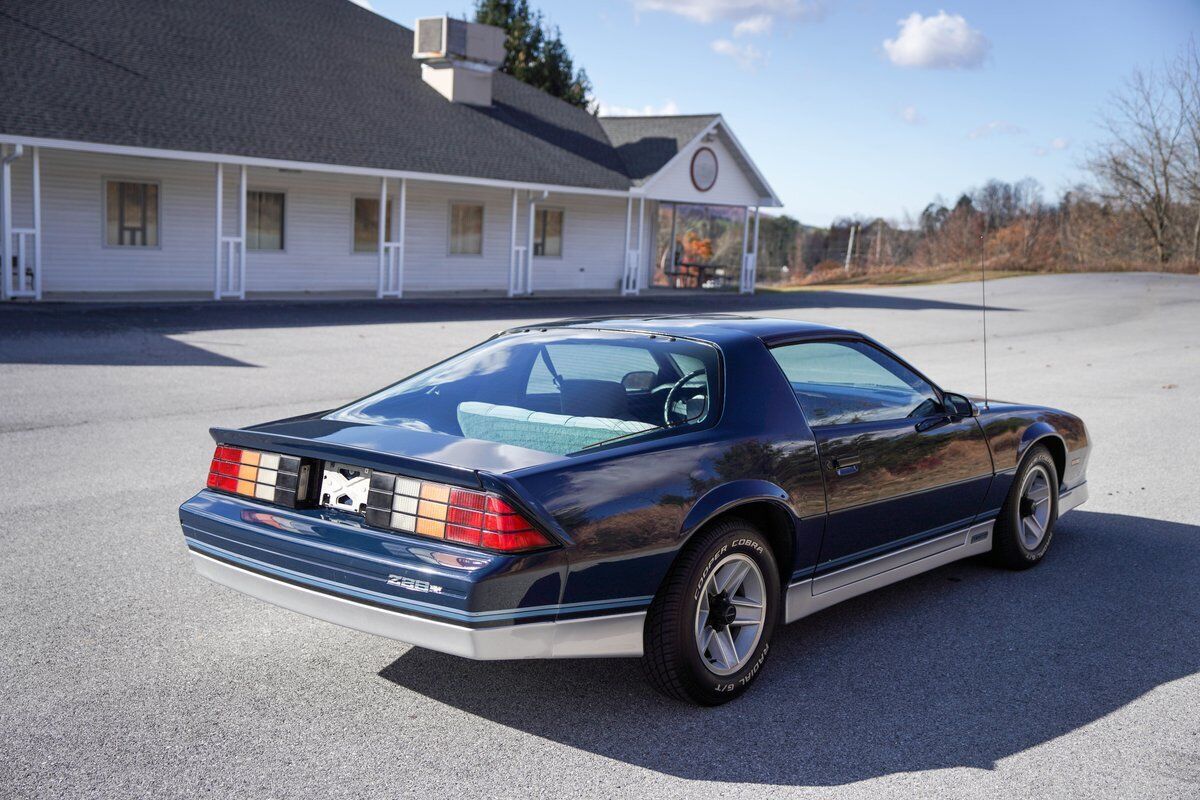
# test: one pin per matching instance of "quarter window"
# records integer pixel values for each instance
(838, 383)
(466, 229)
(366, 223)
(264, 220)
(547, 231)
(131, 214)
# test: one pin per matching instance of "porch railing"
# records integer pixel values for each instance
(392, 277)
(232, 281)
(518, 272)
(22, 278)
(749, 273)
(629, 280)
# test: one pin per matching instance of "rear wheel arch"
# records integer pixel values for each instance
(770, 515)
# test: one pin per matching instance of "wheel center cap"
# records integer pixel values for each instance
(721, 612)
(1026, 507)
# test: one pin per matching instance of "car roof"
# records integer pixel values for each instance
(716, 328)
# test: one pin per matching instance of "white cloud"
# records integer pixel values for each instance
(995, 126)
(754, 26)
(911, 116)
(668, 108)
(365, 4)
(941, 41)
(1058, 143)
(747, 56)
(736, 10)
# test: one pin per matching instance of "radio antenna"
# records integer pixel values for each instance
(983, 303)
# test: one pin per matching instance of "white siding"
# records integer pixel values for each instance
(733, 187)
(318, 232)
(73, 251)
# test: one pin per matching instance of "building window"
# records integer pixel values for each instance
(547, 231)
(466, 229)
(264, 220)
(131, 214)
(366, 223)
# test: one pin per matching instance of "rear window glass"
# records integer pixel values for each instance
(555, 391)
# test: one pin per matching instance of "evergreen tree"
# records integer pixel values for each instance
(534, 52)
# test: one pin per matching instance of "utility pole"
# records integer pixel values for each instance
(850, 246)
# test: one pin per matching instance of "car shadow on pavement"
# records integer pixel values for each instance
(959, 667)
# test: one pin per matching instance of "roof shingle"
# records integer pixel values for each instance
(319, 81)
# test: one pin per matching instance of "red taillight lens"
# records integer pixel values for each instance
(438, 511)
(270, 477)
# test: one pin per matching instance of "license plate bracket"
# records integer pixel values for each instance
(345, 487)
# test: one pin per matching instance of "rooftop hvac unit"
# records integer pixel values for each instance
(443, 38)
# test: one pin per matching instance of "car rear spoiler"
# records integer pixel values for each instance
(306, 447)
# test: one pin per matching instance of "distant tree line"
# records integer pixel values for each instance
(1141, 209)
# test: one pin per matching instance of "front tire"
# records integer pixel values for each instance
(709, 628)
(1025, 526)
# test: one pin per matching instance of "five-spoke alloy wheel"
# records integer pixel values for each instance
(730, 614)
(1026, 523)
(709, 628)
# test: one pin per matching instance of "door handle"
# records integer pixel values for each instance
(843, 465)
(933, 422)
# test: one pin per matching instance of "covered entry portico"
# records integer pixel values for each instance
(702, 196)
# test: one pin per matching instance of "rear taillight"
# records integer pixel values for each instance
(270, 477)
(476, 519)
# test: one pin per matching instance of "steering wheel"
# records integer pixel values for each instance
(675, 389)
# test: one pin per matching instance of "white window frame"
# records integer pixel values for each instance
(128, 248)
(562, 210)
(374, 251)
(450, 228)
(286, 225)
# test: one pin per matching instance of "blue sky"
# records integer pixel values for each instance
(872, 107)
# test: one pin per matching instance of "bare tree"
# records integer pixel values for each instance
(1138, 165)
(1184, 80)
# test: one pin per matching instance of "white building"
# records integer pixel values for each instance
(225, 148)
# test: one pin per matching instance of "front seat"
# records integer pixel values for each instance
(592, 398)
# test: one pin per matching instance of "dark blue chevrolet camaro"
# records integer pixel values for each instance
(664, 487)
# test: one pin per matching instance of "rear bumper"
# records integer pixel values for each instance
(589, 637)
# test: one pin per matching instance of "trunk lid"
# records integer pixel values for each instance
(389, 448)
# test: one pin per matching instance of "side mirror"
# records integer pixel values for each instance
(960, 405)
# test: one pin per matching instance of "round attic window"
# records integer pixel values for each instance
(704, 169)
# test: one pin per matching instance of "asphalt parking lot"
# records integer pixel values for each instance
(124, 674)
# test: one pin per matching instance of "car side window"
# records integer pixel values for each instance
(838, 383)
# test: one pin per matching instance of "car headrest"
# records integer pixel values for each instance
(594, 398)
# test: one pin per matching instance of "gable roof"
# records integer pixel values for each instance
(647, 144)
(318, 81)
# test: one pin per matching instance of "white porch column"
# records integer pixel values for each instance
(401, 216)
(533, 201)
(37, 223)
(513, 260)
(219, 234)
(642, 252)
(627, 261)
(241, 245)
(382, 239)
(5, 222)
(746, 257)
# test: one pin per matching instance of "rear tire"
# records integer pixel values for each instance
(709, 628)
(1025, 526)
